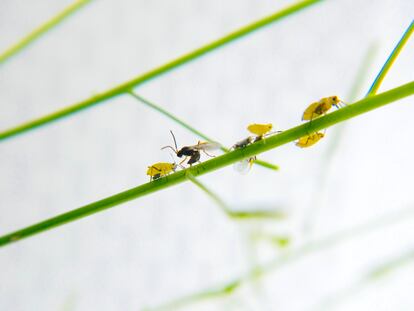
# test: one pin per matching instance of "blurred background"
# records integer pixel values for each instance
(177, 242)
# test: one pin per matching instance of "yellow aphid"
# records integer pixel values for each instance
(160, 169)
(309, 140)
(259, 129)
(321, 107)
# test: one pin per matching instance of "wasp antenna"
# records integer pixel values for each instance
(165, 147)
(175, 142)
(172, 157)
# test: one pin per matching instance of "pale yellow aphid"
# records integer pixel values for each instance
(309, 140)
(321, 107)
(160, 169)
(259, 129)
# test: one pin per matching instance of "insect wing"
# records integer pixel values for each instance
(309, 113)
(309, 140)
(244, 166)
(207, 146)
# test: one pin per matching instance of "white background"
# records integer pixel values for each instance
(176, 242)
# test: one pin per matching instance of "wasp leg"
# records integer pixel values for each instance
(185, 159)
(211, 156)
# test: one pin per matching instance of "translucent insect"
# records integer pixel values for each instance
(260, 129)
(160, 169)
(193, 151)
(309, 140)
(321, 107)
(244, 165)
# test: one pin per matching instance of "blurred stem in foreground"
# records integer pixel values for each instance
(156, 72)
(295, 255)
(379, 272)
(237, 215)
(190, 128)
(41, 30)
(268, 143)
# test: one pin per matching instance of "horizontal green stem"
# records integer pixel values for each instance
(41, 30)
(391, 59)
(190, 128)
(186, 58)
(271, 142)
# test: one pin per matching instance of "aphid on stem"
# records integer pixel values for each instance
(160, 169)
(309, 140)
(243, 143)
(321, 107)
(260, 130)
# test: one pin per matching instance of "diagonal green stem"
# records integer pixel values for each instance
(271, 142)
(334, 300)
(237, 215)
(295, 255)
(171, 116)
(149, 75)
(391, 59)
(228, 289)
(190, 128)
(225, 208)
(41, 30)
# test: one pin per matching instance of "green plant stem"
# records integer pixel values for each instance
(224, 207)
(391, 265)
(391, 59)
(190, 128)
(237, 215)
(311, 212)
(41, 30)
(385, 269)
(186, 58)
(208, 294)
(295, 255)
(271, 142)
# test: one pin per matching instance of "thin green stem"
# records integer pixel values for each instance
(385, 269)
(271, 142)
(391, 59)
(41, 30)
(372, 90)
(190, 128)
(297, 254)
(171, 116)
(237, 215)
(321, 181)
(149, 75)
(228, 289)
(391, 265)
(225, 208)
